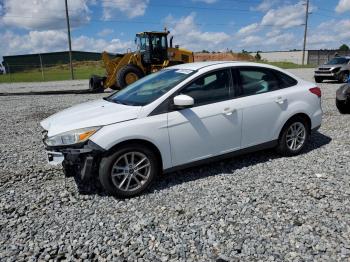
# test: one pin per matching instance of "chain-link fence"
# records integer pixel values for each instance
(33, 72)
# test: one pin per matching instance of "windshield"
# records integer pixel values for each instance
(338, 61)
(143, 43)
(150, 88)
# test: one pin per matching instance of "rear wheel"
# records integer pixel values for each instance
(128, 171)
(293, 137)
(318, 79)
(128, 74)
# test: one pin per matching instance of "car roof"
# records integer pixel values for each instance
(219, 64)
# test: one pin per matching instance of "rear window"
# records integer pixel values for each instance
(286, 80)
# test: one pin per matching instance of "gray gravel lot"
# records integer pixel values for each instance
(255, 207)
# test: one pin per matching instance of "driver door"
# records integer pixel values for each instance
(212, 126)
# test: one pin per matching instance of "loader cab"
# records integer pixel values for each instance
(153, 47)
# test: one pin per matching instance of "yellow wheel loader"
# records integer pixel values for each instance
(153, 53)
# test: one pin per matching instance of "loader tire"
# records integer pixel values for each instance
(128, 74)
(95, 84)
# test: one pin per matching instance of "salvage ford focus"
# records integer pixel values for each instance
(182, 116)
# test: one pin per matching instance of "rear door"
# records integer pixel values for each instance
(212, 126)
(262, 100)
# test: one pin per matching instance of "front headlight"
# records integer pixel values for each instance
(72, 137)
(335, 70)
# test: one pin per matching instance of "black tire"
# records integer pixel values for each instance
(318, 79)
(123, 72)
(283, 147)
(107, 163)
(95, 84)
(343, 108)
(343, 77)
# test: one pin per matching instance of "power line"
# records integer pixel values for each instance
(140, 22)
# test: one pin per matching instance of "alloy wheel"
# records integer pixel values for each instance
(131, 171)
(296, 136)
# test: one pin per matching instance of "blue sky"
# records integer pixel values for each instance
(39, 25)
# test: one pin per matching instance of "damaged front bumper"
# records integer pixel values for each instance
(82, 159)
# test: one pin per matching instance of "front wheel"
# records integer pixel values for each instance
(293, 137)
(343, 77)
(127, 75)
(128, 171)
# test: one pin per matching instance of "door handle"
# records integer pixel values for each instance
(279, 100)
(228, 111)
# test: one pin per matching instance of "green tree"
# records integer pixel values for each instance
(344, 47)
(258, 56)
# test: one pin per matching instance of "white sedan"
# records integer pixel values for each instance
(182, 116)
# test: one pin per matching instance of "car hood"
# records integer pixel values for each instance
(330, 66)
(94, 113)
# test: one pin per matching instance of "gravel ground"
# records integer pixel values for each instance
(255, 207)
(44, 86)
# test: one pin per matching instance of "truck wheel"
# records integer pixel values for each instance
(128, 75)
(128, 171)
(343, 77)
(318, 79)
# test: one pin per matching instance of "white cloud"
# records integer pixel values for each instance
(105, 32)
(44, 14)
(56, 40)
(285, 17)
(343, 6)
(265, 5)
(84, 43)
(131, 8)
(330, 34)
(188, 35)
(249, 29)
(251, 40)
(273, 33)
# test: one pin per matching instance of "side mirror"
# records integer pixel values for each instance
(183, 101)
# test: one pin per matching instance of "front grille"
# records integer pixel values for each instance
(323, 72)
(324, 69)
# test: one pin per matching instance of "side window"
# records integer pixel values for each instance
(257, 80)
(286, 80)
(211, 88)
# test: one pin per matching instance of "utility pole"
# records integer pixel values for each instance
(305, 31)
(41, 67)
(69, 42)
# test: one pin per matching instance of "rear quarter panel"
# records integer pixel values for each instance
(300, 100)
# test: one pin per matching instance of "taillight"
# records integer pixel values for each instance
(316, 91)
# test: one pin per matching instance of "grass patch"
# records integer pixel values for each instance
(82, 70)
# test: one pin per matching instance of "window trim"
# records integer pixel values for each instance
(273, 71)
(231, 87)
(167, 103)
